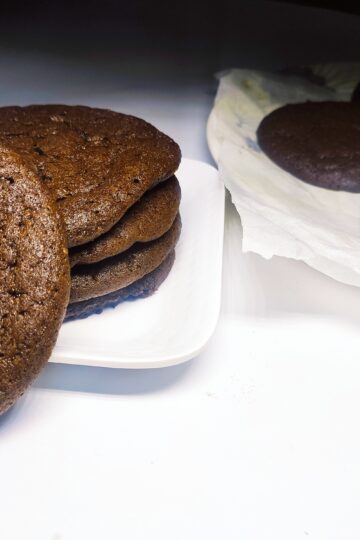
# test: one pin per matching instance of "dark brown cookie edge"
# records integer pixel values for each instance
(142, 288)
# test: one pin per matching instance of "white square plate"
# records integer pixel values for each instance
(175, 323)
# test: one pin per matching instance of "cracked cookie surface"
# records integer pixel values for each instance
(96, 162)
(34, 276)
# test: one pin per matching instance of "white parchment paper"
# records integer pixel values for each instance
(280, 214)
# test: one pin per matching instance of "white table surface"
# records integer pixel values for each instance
(257, 438)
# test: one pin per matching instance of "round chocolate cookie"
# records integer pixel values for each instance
(104, 277)
(316, 142)
(141, 288)
(356, 94)
(34, 276)
(146, 220)
(96, 162)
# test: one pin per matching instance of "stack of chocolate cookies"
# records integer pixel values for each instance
(112, 177)
(87, 190)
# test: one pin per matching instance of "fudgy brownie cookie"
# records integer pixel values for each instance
(34, 276)
(316, 142)
(96, 162)
(104, 277)
(146, 220)
(141, 288)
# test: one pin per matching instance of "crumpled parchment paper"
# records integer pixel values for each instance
(280, 214)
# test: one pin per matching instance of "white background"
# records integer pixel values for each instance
(257, 438)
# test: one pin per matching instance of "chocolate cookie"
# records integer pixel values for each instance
(96, 162)
(316, 142)
(34, 276)
(141, 288)
(104, 277)
(145, 221)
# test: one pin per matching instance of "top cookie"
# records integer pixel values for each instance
(316, 142)
(96, 162)
(34, 276)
